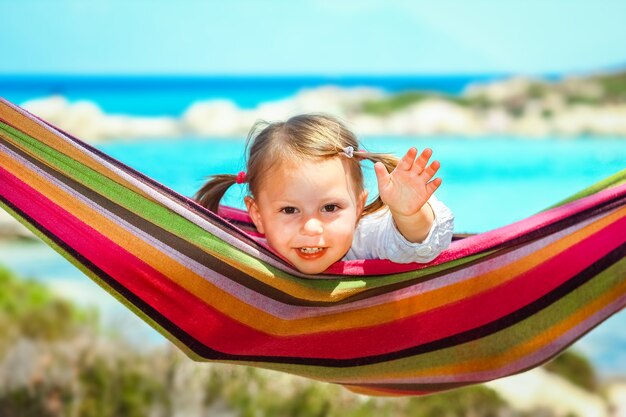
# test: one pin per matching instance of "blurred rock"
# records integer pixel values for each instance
(215, 117)
(11, 228)
(616, 397)
(538, 389)
(87, 121)
(515, 88)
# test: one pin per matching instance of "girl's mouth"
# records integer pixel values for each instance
(310, 252)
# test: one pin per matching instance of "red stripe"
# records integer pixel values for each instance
(394, 392)
(225, 334)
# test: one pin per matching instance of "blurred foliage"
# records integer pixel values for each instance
(593, 90)
(614, 86)
(55, 363)
(398, 101)
(28, 309)
(386, 106)
(576, 369)
(119, 387)
(256, 392)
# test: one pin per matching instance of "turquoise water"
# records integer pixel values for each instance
(487, 182)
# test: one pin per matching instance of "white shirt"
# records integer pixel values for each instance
(377, 237)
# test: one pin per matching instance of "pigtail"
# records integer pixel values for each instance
(390, 162)
(213, 190)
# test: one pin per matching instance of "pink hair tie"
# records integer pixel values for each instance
(241, 177)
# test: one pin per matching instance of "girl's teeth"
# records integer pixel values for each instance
(310, 250)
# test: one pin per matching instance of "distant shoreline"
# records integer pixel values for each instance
(21, 87)
(113, 107)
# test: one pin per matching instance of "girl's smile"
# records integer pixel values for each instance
(311, 253)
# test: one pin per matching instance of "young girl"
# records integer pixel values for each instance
(308, 199)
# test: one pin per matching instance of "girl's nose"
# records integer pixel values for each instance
(312, 226)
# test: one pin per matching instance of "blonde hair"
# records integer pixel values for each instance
(306, 136)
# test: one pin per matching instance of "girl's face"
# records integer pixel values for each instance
(308, 211)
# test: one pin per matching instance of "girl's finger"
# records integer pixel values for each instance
(421, 162)
(407, 160)
(432, 186)
(382, 175)
(431, 170)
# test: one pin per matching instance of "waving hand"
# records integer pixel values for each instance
(407, 188)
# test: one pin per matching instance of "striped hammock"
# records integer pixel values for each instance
(492, 305)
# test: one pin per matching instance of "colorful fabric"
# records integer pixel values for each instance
(493, 304)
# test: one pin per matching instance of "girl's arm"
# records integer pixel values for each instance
(378, 237)
(406, 190)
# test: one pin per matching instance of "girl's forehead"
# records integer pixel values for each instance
(311, 174)
(308, 166)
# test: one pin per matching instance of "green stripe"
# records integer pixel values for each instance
(612, 181)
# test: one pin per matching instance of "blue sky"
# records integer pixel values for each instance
(326, 37)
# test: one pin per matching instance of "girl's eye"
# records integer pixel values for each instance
(288, 210)
(331, 207)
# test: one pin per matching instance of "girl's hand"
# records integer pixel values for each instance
(409, 186)
(406, 190)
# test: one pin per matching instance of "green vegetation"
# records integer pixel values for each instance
(614, 86)
(54, 363)
(537, 90)
(576, 369)
(594, 90)
(396, 102)
(256, 392)
(386, 106)
(52, 360)
(28, 310)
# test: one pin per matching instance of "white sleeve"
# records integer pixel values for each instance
(377, 237)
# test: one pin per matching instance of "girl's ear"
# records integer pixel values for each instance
(253, 211)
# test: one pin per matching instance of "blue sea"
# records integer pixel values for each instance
(487, 181)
